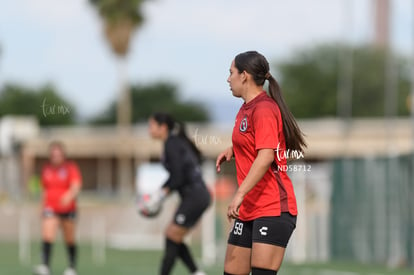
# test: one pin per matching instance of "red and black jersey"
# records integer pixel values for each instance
(259, 126)
(56, 181)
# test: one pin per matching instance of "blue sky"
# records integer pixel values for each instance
(190, 43)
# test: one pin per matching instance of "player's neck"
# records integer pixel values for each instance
(57, 164)
(251, 94)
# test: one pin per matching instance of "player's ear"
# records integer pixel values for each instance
(244, 76)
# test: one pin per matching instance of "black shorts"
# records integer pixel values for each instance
(270, 230)
(192, 207)
(71, 215)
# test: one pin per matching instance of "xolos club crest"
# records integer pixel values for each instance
(243, 124)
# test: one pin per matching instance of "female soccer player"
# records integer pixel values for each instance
(61, 181)
(182, 159)
(264, 207)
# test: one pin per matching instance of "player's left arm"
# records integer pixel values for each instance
(260, 166)
(75, 186)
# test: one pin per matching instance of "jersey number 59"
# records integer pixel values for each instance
(238, 228)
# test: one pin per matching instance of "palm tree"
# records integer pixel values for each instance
(120, 19)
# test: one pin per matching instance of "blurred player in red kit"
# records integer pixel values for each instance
(61, 181)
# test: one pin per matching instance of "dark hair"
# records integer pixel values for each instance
(176, 128)
(256, 64)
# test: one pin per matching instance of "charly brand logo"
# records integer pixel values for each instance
(243, 124)
(263, 230)
(180, 219)
(53, 109)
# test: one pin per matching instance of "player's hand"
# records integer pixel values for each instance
(224, 156)
(66, 199)
(233, 209)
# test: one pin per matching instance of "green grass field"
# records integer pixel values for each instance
(146, 263)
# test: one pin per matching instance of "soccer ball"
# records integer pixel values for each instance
(149, 205)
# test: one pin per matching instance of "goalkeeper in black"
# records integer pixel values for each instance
(182, 160)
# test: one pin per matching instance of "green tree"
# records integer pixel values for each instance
(120, 19)
(310, 82)
(162, 97)
(44, 103)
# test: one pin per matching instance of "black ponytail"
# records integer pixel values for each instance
(256, 64)
(177, 128)
(181, 132)
(293, 135)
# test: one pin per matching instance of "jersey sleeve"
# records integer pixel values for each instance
(174, 162)
(74, 174)
(265, 126)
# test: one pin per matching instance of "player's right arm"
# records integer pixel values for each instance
(226, 155)
(265, 157)
(43, 185)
